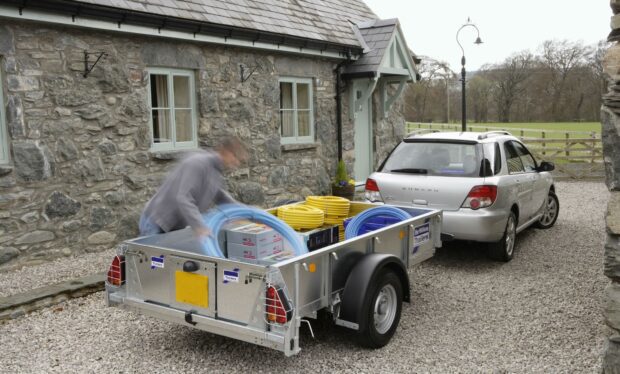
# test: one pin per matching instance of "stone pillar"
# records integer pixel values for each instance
(610, 119)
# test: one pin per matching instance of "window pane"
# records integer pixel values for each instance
(512, 159)
(303, 123)
(303, 96)
(492, 162)
(286, 95)
(161, 126)
(159, 91)
(443, 159)
(287, 123)
(181, 92)
(183, 125)
(528, 161)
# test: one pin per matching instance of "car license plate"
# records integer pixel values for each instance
(192, 289)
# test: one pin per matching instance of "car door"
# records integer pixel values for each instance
(539, 184)
(528, 180)
(516, 180)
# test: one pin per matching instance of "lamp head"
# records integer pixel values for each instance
(478, 41)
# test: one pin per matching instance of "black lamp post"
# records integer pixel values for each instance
(463, 74)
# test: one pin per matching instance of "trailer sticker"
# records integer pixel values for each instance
(157, 262)
(422, 234)
(231, 276)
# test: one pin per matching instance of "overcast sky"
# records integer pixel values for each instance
(506, 27)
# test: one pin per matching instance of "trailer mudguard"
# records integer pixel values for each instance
(365, 272)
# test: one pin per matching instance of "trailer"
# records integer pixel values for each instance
(361, 282)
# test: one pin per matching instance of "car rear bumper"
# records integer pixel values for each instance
(477, 225)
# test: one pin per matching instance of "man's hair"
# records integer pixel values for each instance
(235, 145)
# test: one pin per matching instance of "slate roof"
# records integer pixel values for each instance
(377, 35)
(322, 20)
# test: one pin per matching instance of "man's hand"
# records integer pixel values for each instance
(202, 232)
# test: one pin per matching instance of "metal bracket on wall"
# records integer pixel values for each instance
(100, 56)
(252, 69)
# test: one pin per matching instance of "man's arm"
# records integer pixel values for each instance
(190, 182)
(223, 197)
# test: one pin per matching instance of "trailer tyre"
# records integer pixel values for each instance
(381, 310)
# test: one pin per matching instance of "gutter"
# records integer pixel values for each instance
(73, 13)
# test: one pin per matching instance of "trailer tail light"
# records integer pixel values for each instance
(116, 273)
(480, 197)
(372, 191)
(276, 306)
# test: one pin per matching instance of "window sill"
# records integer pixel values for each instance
(167, 155)
(298, 147)
(5, 170)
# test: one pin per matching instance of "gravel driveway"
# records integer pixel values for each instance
(539, 313)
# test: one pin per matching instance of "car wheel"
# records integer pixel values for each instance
(550, 213)
(381, 310)
(504, 249)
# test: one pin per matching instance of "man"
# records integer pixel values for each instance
(191, 189)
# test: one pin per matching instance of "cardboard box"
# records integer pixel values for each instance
(253, 234)
(273, 259)
(253, 253)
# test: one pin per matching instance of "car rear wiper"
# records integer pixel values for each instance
(410, 171)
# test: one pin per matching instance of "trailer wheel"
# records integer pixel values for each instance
(381, 310)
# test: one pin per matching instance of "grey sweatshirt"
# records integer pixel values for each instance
(191, 189)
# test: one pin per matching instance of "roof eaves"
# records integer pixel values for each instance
(212, 27)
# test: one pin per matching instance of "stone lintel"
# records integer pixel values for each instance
(298, 147)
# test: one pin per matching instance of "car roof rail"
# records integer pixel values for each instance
(421, 132)
(493, 133)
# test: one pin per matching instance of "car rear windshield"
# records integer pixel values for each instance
(439, 159)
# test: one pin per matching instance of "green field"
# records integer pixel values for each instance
(554, 129)
(552, 126)
(562, 143)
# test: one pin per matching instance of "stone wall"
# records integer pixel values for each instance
(81, 170)
(610, 119)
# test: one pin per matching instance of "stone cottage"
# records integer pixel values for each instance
(100, 96)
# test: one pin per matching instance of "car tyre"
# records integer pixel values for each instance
(503, 250)
(381, 310)
(550, 213)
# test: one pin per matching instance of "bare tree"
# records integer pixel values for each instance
(564, 81)
(561, 59)
(509, 80)
(425, 98)
(479, 94)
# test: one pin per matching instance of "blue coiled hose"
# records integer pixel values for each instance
(216, 218)
(355, 225)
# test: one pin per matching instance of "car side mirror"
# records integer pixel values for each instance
(546, 166)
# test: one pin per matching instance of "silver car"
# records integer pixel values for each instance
(488, 185)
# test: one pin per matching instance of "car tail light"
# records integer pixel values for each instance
(480, 197)
(372, 191)
(116, 273)
(276, 309)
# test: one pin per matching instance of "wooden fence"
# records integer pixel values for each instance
(576, 155)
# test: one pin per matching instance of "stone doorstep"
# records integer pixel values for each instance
(18, 305)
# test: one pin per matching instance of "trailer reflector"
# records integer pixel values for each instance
(116, 273)
(275, 308)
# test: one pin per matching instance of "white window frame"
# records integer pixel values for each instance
(4, 138)
(174, 145)
(298, 139)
